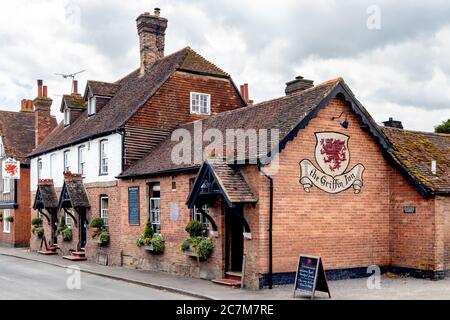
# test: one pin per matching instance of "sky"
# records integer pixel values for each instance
(394, 55)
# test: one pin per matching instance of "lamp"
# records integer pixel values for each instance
(344, 124)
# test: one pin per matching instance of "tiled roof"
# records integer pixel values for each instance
(73, 101)
(47, 191)
(76, 190)
(283, 114)
(134, 90)
(232, 182)
(18, 134)
(104, 89)
(416, 150)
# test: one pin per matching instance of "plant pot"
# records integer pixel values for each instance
(94, 232)
(148, 247)
(190, 252)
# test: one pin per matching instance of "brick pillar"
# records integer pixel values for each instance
(42, 117)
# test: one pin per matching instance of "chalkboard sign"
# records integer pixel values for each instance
(133, 205)
(310, 276)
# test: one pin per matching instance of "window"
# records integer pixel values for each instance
(6, 224)
(104, 207)
(92, 105)
(1, 149)
(155, 206)
(66, 117)
(174, 184)
(52, 161)
(66, 161)
(104, 157)
(68, 219)
(6, 185)
(200, 103)
(199, 216)
(39, 168)
(82, 160)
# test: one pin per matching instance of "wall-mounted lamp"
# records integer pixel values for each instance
(345, 123)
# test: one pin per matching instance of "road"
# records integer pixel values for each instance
(30, 280)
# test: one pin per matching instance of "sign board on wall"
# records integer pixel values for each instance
(10, 169)
(310, 276)
(333, 157)
(133, 206)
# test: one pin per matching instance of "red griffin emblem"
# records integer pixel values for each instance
(11, 169)
(334, 151)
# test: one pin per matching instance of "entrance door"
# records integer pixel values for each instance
(234, 241)
(83, 229)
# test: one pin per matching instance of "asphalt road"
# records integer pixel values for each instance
(30, 280)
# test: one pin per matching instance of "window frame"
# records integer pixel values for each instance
(66, 164)
(82, 165)
(154, 214)
(104, 213)
(6, 185)
(199, 111)
(6, 224)
(101, 158)
(51, 164)
(66, 119)
(39, 168)
(198, 216)
(92, 103)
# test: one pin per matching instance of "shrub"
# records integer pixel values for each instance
(36, 222)
(140, 241)
(194, 228)
(39, 232)
(148, 231)
(204, 248)
(158, 243)
(97, 223)
(185, 244)
(62, 226)
(103, 238)
(67, 234)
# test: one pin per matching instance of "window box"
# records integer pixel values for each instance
(190, 252)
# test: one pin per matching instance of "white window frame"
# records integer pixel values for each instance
(6, 185)
(104, 212)
(82, 160)
(52, 162)
(66, 117)
(68, 220)
(39, 168)
(66, 155)
(103, 163)
(6, 224)
(155, 207)
(2, 150)
(196, 103)
(92, 105)
(197, 215)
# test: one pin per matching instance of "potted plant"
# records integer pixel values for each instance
(36, 222)
(39, 232)
(67, 234)
(151, 241)
(103, 238)
(96, 226)
(9, 219)
(1, 216)
(37, 226)
(197, 245)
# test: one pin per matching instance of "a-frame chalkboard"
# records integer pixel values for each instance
(310, 276)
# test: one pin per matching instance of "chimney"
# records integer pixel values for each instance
(151, 31)
(42, 117)
(26, 106)
(75, 87)
(245, 94)
(393, 123)
(297, 85)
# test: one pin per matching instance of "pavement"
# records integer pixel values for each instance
(390, 288)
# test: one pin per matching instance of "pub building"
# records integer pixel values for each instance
(326, 180)
(337, 185)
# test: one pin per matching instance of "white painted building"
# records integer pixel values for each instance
(98, 160)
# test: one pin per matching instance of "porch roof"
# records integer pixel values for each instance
(73, 191)
(46, 196)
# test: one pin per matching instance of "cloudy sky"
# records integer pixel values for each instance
(395, 55)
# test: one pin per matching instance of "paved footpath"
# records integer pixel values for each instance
(391, 288)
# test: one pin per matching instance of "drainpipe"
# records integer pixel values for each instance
(270, 280)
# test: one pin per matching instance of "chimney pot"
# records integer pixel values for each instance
(75, 86)
(44, 91)
(393, 123)
(39, 84)
(157, 12)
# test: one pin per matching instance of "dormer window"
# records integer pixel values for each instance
(200, 103)
(66, 117)
(92, 108)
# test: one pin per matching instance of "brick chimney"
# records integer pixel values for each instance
(26, 106)
(393, 123)
(75, 87)
(42, 117)
(245, 94)
(297, 85)
(151, 31)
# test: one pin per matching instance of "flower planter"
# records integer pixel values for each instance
(149, 248)
(94, 232)
(190, 252)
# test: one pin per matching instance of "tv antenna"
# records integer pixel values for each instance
(70, 75)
